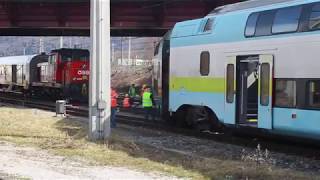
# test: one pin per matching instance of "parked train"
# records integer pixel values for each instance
(64, 73)
(253, 64)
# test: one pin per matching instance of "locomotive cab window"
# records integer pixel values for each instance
(314, 21)
(81, 55)
(314, 94)
(287, 20)
(52, 59)
(205, 63)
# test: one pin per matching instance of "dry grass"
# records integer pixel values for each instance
(68, 138)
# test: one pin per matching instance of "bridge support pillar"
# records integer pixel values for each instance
(100, 67)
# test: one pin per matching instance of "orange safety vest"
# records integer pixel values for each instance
(114, 97)
(126, 102)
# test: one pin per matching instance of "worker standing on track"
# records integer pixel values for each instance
(132, 91)
(143, 88)
(148, 103)
(114, 104)
(126, 101)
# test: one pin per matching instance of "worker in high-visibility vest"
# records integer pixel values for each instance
(148, 103)
(114, 104)
(143, 88)
(126, 101)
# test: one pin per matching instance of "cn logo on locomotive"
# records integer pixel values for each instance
(83, 72)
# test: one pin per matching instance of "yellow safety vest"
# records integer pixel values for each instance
(146, 99)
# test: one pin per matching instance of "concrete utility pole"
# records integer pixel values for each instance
(70, 42)
(129, 51)
(121, 39)
(100, 67)
(61, 41)
(41, 48)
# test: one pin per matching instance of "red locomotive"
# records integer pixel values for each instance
(62, 73)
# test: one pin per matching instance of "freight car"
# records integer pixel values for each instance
(64, 73)
(251, 65)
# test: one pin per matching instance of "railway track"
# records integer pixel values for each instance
(283, 146)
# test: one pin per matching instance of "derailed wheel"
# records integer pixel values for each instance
(198, 118)
(202, 119)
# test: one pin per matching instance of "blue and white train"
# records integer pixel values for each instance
(252, 64)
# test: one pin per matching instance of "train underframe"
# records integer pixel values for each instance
(71, 93)
(200, 118)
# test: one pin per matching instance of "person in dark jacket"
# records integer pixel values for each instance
(132, 91)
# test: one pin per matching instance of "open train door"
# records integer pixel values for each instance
(265, 91)
(230, 91)
(14, 74)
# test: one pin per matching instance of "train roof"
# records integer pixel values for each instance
(70, 50)
(227, 27)
(17, 60)
(245, 5)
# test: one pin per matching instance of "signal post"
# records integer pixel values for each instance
(100, 66)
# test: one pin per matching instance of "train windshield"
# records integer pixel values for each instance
(75, 56)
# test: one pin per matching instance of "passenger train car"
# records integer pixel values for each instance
(252, 64)
(62, 73)
(17, 72)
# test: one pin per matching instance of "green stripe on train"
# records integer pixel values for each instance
(197, 84)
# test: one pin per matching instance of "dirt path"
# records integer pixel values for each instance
(32, 163)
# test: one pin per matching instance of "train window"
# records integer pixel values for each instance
(49, 61)
(264, 23)
(230, 83)
(314, 22)
(52, 59)
(285, 93)
(265, 84)
(66, 58)
(205, 63)
(208, 25)
(251, 25)
(159, 69)
(287, 20)
(81, 55)
(314, 94)
(156, 50)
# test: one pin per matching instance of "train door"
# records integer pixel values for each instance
(230, 98)
(248, 91)
(265, 91)
(14, 73)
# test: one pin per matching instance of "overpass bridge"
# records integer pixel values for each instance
(72, 17)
